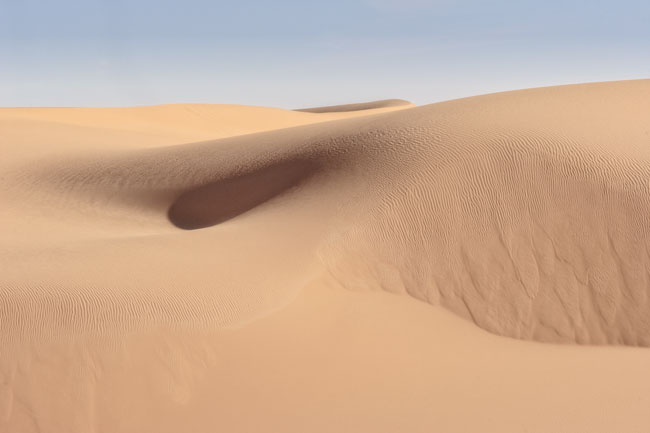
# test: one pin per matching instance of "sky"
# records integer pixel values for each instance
(301, 53)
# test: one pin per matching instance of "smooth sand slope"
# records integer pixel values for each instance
(352, 268)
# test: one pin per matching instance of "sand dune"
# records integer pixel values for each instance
(350, 268)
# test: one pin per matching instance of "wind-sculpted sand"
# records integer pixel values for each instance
(350, 268)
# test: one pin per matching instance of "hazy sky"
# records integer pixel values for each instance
(296, 53)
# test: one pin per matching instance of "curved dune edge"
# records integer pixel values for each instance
(385, 103)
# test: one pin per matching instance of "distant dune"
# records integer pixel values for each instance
(207, 268)
(358, 107)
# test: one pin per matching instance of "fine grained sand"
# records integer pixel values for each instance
(203, 268)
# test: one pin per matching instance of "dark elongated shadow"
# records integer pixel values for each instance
(220, 201)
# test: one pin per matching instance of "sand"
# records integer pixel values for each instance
(471, 265)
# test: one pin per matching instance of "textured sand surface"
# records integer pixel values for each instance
(352, 268)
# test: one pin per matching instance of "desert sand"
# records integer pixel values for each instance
(476, 265)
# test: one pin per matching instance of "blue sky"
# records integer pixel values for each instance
(291, 53)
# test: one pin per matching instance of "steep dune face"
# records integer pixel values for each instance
(166, 271)
(526, 212)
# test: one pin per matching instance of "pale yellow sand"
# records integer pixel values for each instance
(245, 269)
